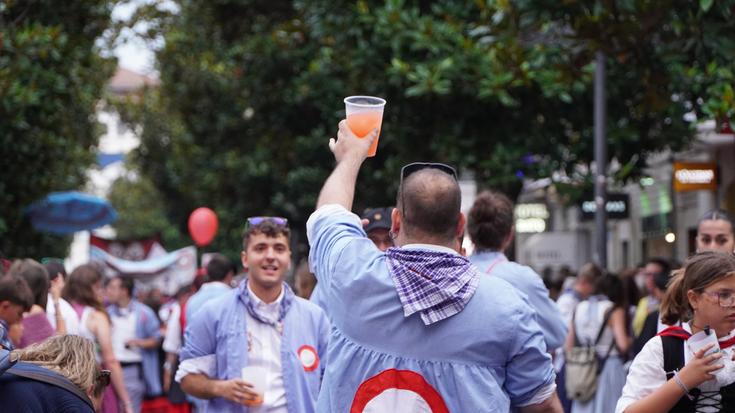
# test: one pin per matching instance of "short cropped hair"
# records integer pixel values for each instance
(218, 267)
(126, 283)
(36, 276)
(490, 220)
(429, 201)
(268, 228)
(590, 272)
(663, 263)
(55, 269)
(16, 290)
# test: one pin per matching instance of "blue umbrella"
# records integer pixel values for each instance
(68, 212)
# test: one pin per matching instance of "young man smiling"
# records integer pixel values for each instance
(259, 324)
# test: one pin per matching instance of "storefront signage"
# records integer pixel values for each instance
(616, 207)
(531, 218)
(690, 176)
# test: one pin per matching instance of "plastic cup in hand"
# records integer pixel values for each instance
(257, 376)
(365, 113)
(702, 339)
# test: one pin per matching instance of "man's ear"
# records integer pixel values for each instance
(244, 260)
(395, 222)
(459, 231)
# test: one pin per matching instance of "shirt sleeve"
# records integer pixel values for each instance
(152, 325)
(529, 372)
(200, 335)
(329, 230)
(645, 376)
(172, 339)
(547, 313)
(206, 365)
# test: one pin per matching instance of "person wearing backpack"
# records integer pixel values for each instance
(59, 374)
(672, 373)
(596, 349)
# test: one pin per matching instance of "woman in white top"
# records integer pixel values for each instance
(701, 296)
(606, 311)
(83, 290)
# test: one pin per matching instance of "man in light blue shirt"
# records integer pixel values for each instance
(220, 272)
(257, 348)
(490, 226)
(417, 328)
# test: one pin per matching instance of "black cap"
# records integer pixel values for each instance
(377, 218)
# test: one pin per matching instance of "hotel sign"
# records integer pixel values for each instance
(531, 218)
(691, 176)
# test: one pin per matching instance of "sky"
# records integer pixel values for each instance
(133, 53)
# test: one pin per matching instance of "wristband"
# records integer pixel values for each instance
(682, 385)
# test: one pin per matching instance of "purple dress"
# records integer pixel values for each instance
(36, 328)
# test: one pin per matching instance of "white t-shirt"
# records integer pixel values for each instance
(172, 339)
(123, 329)
(588, 318)
(647, 374)
(67, 313)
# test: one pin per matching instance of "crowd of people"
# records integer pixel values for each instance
(389, 314)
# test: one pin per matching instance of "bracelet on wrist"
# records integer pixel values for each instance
(681, 384)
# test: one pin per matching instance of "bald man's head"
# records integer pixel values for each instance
(429, 201)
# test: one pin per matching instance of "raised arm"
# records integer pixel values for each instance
(349, 152)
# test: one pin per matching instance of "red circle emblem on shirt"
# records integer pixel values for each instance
(392, 388)
(308, 357)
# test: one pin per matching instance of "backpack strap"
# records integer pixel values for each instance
(577, 343)
(37, 373)
(41, 374)
(605, 319)
(673, 351)
(602, 361)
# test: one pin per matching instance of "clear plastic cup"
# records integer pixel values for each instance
(365, 113)
(702, 339)
(258, 377)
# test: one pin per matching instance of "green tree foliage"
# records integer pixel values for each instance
(251, 91)
(140, 213)
(51, 77)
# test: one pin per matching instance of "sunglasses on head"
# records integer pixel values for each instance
(255, 221)
(409, 169)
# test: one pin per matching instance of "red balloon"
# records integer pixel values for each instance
(203, 226)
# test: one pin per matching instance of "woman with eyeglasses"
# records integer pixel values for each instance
(64, 377)
(716, 232)
(83, 290)
(669, 374)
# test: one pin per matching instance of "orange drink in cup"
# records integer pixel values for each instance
(365, 113)
(257, 376)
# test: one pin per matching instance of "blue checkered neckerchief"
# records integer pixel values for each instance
(436, 284)
(286, 301)
(4, 339)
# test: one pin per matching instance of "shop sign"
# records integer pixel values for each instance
(691, 176)
(616, 207)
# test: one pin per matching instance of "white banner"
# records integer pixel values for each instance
(167, 272)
